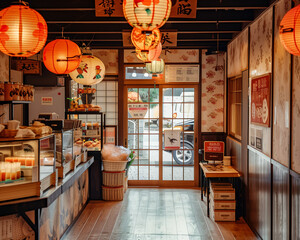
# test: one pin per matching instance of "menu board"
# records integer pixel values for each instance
(180, 73)
(213, 150)
(260, 100)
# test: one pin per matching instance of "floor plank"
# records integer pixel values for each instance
(155, 214)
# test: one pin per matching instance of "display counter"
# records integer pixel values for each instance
(53, 212)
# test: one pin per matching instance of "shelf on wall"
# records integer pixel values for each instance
(14, 102)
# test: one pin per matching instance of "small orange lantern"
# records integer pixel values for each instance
(147, 14)
(61, 56)
(289, 27)
(145, 40)
(23, 31)
(151, 55)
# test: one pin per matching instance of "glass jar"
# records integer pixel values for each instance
(16, 87)
(2, 98)
(8, 91)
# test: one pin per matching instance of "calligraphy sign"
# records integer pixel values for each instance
(168, 39)
(260, 100)
(28, 66)
(213, 150)
(184, 9)
(109, 8)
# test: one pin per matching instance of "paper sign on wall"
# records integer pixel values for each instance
(184, 9)
(213, 150)
(260, 100)
(47, 101)
(172, 139)
(138, 110)
(109, 8)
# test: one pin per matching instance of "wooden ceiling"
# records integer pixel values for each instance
(221, 19)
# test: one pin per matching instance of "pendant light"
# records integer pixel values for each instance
(147, 14)
(155, 67)
(148, 56)
(145, 40)
(23, 31)
(289, 31)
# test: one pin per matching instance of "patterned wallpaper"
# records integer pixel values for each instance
(261, 63)
(238, 54)
(110, 59)
(281, 93)
(213, 80)
(169, 56)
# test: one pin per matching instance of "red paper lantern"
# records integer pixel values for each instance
(149, 56)
(61, 56)
(23, 31)
(147, 14)
(289, 27)
(145, 40)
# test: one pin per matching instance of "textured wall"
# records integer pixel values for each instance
(212, 113)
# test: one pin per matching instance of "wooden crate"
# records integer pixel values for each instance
(223, 215)
(227, 194)
(64, 170)
(113, 179)
(78, 160)
(223, 204)
(29, 189)
(112, 193)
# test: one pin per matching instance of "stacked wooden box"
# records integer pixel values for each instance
(113, 180)
(222, 202)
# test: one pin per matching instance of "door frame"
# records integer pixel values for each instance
(161, 182)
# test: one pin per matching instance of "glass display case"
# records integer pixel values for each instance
(27, 166)
(66, 152)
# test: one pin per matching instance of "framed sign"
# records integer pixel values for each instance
(28, 66)
(138, 110)
(260, 100)
(172, 139)
(213, 150)
(184, 9)
(182, 73)
(109, 8)
(110, 134)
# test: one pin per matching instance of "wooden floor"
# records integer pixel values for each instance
(154, 213)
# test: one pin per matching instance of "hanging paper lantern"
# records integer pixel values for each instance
(147, 14)
(148, 56)
(90, 71)
(61, 56)
(23, 31)
(288, 31)
(155, 67)
(145, 40)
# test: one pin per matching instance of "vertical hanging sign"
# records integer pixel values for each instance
(109, 8)
(184, 9)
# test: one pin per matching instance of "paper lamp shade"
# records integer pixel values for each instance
(155, 67)
(147, 14)
(145, 41)
(23, 31)
(148, 56)
(61, 56)
(90, 71)
(289, 31)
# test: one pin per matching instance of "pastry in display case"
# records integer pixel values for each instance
(27, 166)
(89, 136)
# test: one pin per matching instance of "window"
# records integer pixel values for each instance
(235, 107)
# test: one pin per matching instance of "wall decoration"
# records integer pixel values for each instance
(138, 110)
(213, 92)
(172, 139)
(184, 9)
(213, 150)
(110, 135)
(238, 54)
(145, 41)
(28, 66)
(182, 73)
(109, 8)
(261, 63)
(260, 100)
(169, 56)
(281, 91)
(110, 59)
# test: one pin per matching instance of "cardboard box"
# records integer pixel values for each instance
(223, 215)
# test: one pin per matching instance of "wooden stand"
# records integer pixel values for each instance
(30, 189)
(64, 170)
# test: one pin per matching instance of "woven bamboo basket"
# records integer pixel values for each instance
(113, 179)
(112, 193)
(114, 166)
